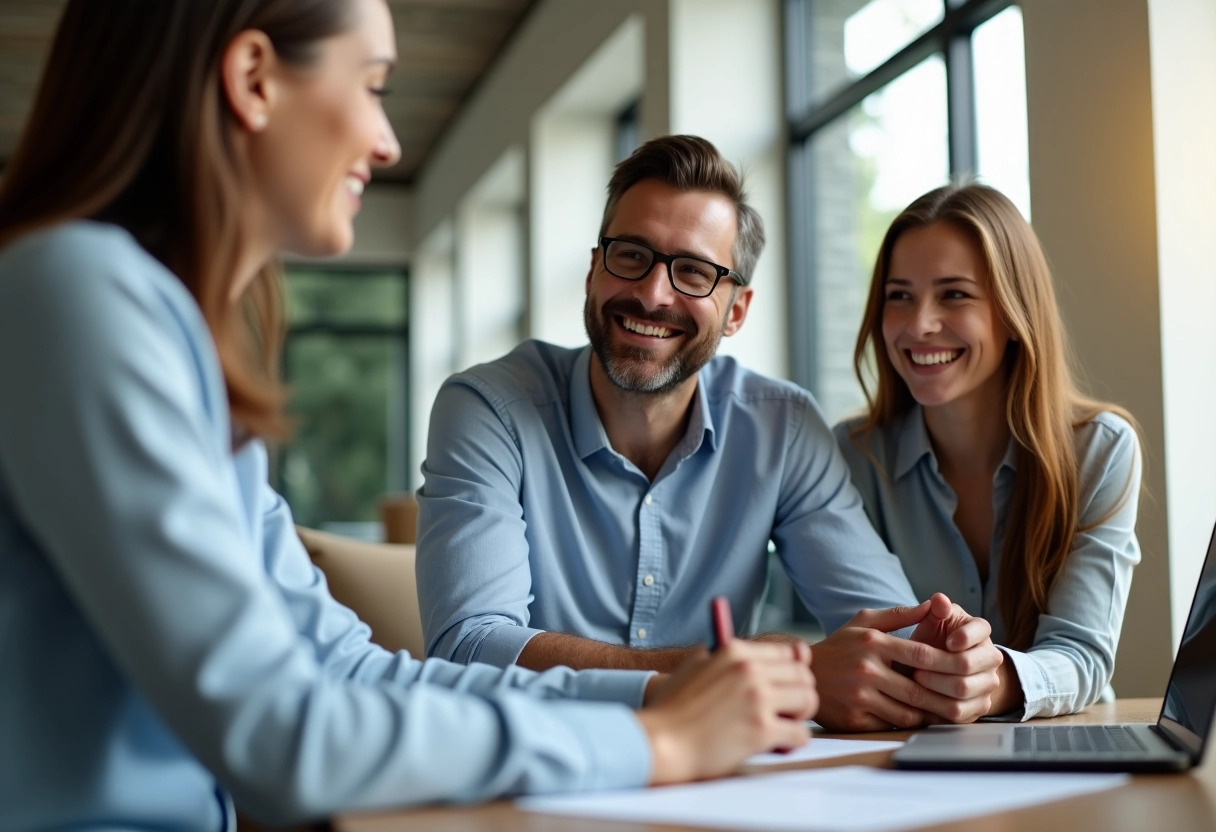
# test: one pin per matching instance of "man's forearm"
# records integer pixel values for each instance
(546, 650)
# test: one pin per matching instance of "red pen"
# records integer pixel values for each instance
(721, 626)
(722, 630)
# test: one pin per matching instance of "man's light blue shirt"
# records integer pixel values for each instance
(529, 521)
(1070, 663)
(165, 642)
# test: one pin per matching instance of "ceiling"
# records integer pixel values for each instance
(443, 46)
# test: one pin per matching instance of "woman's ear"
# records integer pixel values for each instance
(247, 74)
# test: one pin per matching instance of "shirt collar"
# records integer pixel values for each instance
(913, 445)
(700, 422)
(585, 425)
(588, 431)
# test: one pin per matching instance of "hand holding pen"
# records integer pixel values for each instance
(719, 708)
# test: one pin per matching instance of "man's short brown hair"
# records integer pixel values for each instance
(690, 163)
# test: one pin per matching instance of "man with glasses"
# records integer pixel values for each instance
(582, 506)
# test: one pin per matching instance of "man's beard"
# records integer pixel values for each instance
(632, 368)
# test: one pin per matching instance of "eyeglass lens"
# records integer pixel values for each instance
(633, 261)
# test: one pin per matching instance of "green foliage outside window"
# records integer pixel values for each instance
(345, 362)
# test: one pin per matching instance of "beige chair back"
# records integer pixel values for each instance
(376, 580)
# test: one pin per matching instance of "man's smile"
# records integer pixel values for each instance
(645, 328)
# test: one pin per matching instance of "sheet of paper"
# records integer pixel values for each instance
(844, 799)
(820, 749)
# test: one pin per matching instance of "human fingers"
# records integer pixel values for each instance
(945, 698)
(788, 734)
(738, 702)
(778, 650)
(663, 686)
(978, 673)
(803, 653)
(940, 606)
(802, 650)
(956, 711)
(787, 670)
(955, 686)
(970, 632)
(854, 679)
(894, 618)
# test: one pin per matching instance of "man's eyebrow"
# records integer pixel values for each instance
(638, 238)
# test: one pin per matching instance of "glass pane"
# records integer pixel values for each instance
(340, 297)
(865, 168)
(348, 400)
(847, 39)
(1000, 106)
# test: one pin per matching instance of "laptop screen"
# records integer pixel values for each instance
(1190, 699)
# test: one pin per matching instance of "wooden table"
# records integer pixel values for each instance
(1150, 803)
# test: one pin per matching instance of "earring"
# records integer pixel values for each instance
(258, 121)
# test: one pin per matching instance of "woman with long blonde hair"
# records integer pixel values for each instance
(167, 649)
(979, 462)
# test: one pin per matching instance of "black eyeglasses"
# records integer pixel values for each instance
(690, 276)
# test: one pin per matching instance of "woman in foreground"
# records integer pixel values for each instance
(167, 645)
(980, 463)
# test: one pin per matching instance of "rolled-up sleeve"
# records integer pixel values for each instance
(474, 576)
(836, 560)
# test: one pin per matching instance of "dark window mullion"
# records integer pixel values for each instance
(961, 18)
(802, 301)
(281, 450)
(960, 103)
(846, 99)
(406, 391)
(797, 65)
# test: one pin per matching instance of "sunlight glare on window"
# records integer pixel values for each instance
(1000, 107)
(881, 28)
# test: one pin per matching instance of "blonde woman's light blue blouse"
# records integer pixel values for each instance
(166, 646)
(1070, 662)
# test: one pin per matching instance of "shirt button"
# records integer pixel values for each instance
(648, 580)
(642, 633)
(648, 500)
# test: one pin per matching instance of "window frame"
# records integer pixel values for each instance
(951, 38)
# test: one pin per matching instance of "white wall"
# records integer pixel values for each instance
(1113, 206)
(725, 85)
(434, 320)
(384, 227)
(490, 263)
(567, 205)
(1182, 38)
(572, 151)
(384, 230)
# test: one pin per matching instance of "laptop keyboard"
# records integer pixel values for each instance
(1074, 739)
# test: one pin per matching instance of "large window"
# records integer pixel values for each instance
(887, 99)
(346, 362)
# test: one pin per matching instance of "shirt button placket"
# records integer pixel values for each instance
(650, 553)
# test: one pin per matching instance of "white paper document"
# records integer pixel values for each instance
(821, 749)
(845, 799)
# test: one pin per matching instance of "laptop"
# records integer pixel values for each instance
(1175, 743)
